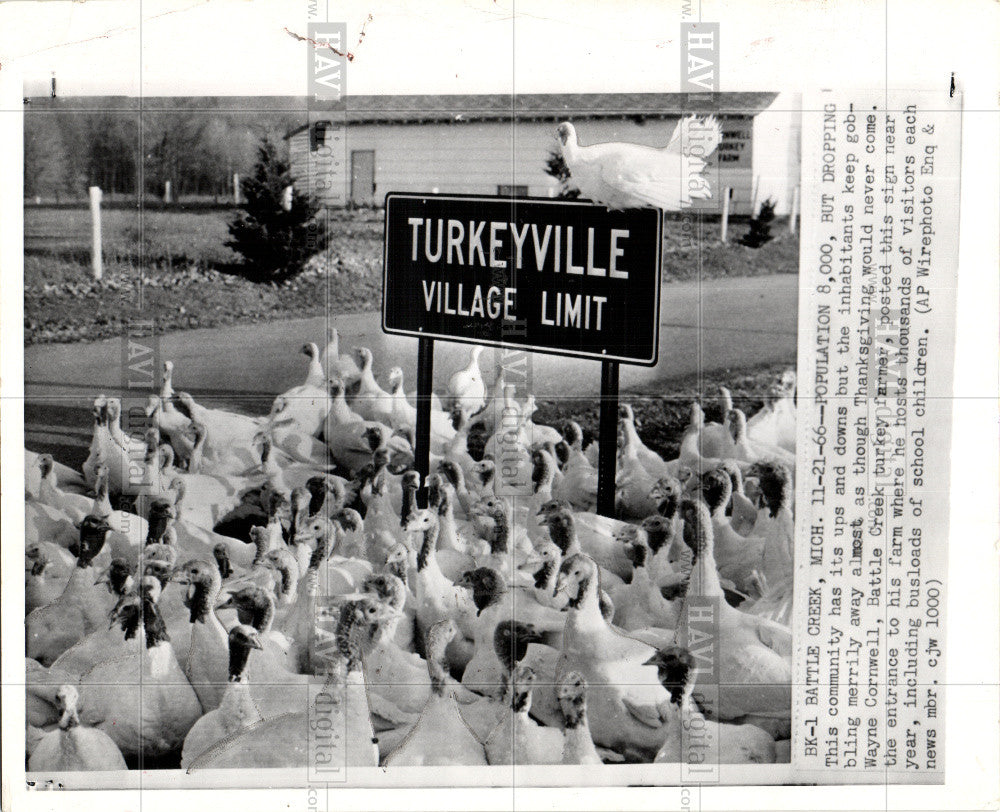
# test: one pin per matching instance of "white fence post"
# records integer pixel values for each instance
(95, 218)
(725, 213)
(168, 196)
(236, 188)
(795, 210)
(286, 199)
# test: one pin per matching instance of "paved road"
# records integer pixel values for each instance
(721, 323)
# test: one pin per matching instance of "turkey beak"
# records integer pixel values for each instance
(226, 603)
(352, 596)
(103, 578)
(562, 584)
(671, 592)
(303, 532)
(533, 635)
(654, 660)
(532, 560)
(256, 643)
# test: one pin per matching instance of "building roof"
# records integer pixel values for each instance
(539, 107)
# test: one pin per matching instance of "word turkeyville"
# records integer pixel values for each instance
(506, 246)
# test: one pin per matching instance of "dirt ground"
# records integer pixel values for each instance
(662, 420)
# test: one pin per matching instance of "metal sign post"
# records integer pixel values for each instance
(425, 382)
(607, 461)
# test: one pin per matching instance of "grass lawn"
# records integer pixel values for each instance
(173, 266)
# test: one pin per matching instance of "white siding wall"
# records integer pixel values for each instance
(477, 157)
(324, 175)
(776, 150)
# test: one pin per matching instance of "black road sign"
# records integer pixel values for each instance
(550, 276)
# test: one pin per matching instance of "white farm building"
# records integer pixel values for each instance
(498, 144)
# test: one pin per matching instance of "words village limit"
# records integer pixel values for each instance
(531, 247)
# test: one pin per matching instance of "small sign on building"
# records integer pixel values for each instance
(549, 276)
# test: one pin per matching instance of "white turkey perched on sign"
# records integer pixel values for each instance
(629, 176)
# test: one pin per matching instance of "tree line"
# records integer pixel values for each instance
(67, 150)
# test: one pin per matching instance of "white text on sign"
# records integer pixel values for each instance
(489, 244)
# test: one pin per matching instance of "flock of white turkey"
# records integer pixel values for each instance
(201, 596)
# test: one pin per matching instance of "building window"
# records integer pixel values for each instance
(317, 135)
(506, 190)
